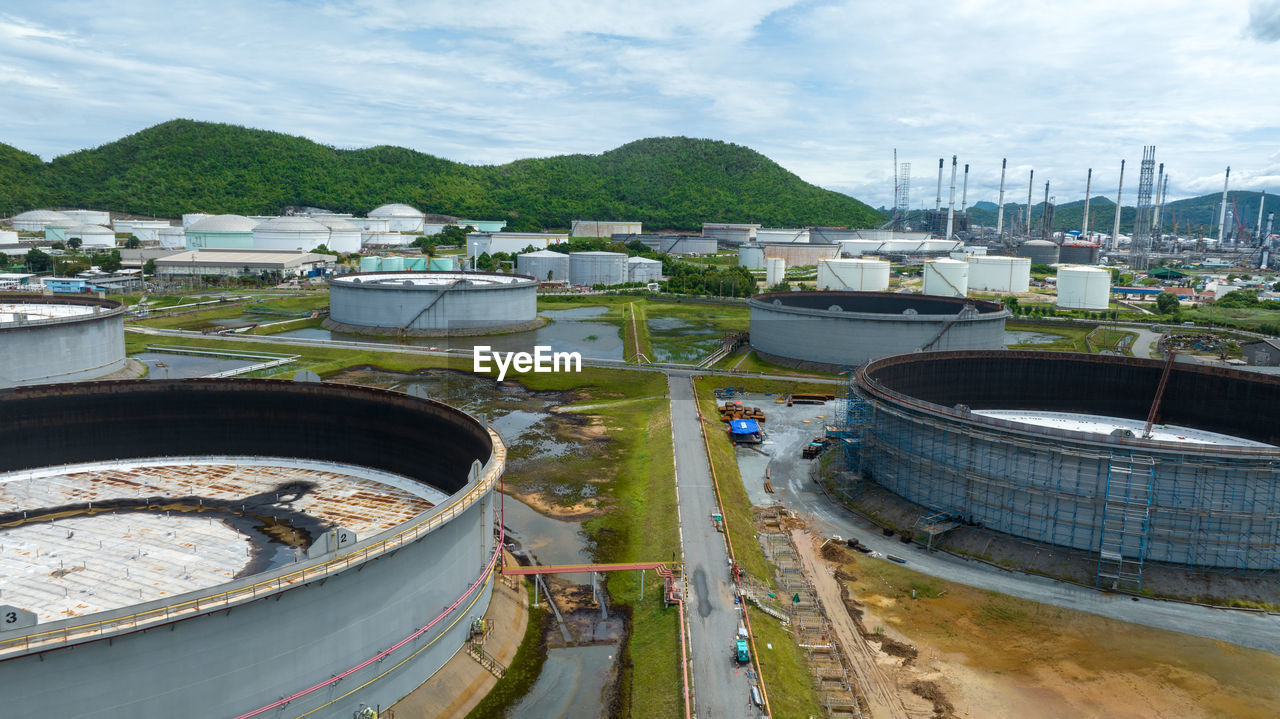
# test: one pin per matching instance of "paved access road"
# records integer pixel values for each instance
(720, 688)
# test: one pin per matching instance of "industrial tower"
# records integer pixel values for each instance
(1140, 245)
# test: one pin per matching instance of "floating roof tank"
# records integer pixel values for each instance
(546, 265)
(946, 278)
(854, 275)
(597, 268)
(1083, 288)
(997, 273)
(1040, 252)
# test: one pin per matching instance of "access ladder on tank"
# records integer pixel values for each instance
(1125, 519)
(427, 309)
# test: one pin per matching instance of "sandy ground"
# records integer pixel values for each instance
(976, 653)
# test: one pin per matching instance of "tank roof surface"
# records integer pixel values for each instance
(9, 311)
(428, 279)
(80, 539)
(1098, 424)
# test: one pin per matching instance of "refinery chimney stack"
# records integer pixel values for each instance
(1115, 228)
(937, 204)
(964, 193)
(1027, 225)
(1084, 228)
(1257, 229)
(1004, 162)
(951, 203)
(1222, 215)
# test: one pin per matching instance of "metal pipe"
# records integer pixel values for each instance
(1115, 228)
(1222, 214)
(1004, 162)
(1088, 185)
(951, 203)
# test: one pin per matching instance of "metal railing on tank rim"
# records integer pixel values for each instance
(436, 517)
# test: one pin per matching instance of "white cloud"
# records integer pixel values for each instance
(827, 89)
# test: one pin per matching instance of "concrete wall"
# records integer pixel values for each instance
(64, 351)
(1209, 507)
(847, 338)
(1261, 354)
(461, 308)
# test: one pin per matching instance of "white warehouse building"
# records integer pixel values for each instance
(479, 243)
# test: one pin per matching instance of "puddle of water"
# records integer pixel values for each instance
(678, 340)
(571, 685)
(1027, 337)
(551, 541)
(185, 366)
(566, 332)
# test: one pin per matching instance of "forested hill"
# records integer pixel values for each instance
(186, 166)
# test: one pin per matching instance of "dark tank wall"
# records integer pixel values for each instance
(63, 424)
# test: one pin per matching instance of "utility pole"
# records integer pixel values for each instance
(1004, 162)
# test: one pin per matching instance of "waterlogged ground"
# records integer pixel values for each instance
(569, 330)
(682, 340)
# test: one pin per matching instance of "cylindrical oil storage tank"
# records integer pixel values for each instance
(172, 237)
(1079, 253)
(59, 339)
(856, 275)
(37, 220)
(393, 263)
(89, 217)
(56, 231)
(344, 236)
(751, 257)
(587, 269)
(838, 330)
(643, 269)
(1083, 288)
(415, 264)
(400, 218)
(449, 263)
(431, 304)
(92, 235)
(997, 273)
(775, 271)
(546, 265)
(221, 232)
(370, 263)
(946, 278)
(380, 493)
(1040, 252)
(1047, 446)
(293, 232)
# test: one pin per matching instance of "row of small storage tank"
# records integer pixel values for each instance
(588, 268)
(395, 263)
(953, 278)
(1043, 252)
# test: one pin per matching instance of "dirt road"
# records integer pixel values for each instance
(875, 684)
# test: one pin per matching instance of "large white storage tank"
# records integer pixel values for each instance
(89, 217)
(92, 235)
(37, 220)
(997, 273)
(1083, 288)
(597, 268)
(343, 235)
(775, 271)
(643, 269)
(946, 278)
(400, 218)
(546, 265)
(853, 275)
(172, 237)
(221, 232)
(751, 257)
(290, 233)
(191, 218)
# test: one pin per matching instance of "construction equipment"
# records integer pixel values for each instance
(1155, 404)
(741, 652)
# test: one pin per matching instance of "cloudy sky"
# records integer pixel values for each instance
(827, 89)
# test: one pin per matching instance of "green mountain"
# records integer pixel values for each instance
(186, 166)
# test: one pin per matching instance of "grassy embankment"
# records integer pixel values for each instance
(1014, 657)
(630, 477)
(747, 361)
(1244, 318)
(271, 309)
(786, 677)
(635, 332)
